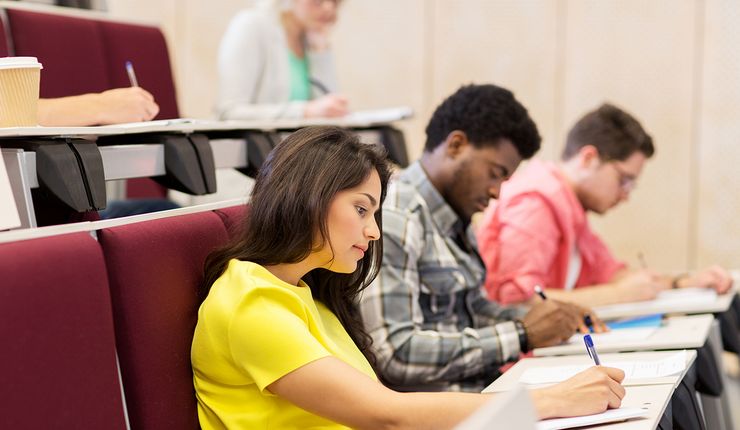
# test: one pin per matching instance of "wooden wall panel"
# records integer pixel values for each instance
(511, 43)
(640, 56)
(718, 150)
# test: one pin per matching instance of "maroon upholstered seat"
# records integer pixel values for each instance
(146, 48)
(58, 354)
(233, 218)
(71, 50)
(155, 269)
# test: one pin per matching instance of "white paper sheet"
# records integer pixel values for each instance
(633, 370)
(160, 123)
(688, 295)
(666, 300)
(611, 415)
(380, 115)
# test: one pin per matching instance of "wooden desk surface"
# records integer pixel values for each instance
(359, 119)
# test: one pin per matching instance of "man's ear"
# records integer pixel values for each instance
(456, 143)
(588, 156)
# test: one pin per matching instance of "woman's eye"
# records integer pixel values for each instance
(360, 210)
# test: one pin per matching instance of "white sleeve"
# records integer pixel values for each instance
(242, 58)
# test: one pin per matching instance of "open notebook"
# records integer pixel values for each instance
(633, 370)
(611, 415)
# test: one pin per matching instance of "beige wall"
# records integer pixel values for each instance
(673, 63)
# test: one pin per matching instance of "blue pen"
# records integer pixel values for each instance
(591, 349)
(131, 74)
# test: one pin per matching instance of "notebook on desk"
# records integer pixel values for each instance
(514, 410)
(633, 370)
(611, 415)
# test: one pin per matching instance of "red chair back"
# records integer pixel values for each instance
(58, 355)
(155, 271)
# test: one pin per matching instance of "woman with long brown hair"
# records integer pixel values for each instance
(279, 343)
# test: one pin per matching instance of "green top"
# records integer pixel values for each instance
(300, 87)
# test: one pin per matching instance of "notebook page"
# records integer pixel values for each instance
(610, 415)
(633, 370)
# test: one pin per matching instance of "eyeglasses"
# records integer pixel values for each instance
(627, 181)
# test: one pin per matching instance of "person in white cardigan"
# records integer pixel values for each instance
(274, 62)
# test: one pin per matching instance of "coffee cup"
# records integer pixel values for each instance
(19, 91)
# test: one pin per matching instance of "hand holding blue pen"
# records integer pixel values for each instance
(591, 349)
(586, 318)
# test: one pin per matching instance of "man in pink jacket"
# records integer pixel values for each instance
(537, 233)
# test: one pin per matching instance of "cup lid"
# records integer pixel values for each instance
(19, 63)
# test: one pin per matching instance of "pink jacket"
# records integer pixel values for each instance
(526, 237)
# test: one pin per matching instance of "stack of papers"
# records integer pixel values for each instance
(633, 370)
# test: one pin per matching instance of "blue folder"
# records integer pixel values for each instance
(643, 321)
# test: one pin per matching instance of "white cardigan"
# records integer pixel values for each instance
(254, 70)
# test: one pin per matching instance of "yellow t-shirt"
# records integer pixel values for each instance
(253, 329)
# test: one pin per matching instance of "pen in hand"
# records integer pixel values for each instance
(319, 85)
(131, 74)
(538, 290)
(641, 259)
(586, 318)
(591, 349)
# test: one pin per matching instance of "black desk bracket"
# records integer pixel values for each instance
(70, 170)
(189, 165)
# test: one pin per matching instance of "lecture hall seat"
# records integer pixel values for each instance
(58, 355)
(233, 218)
(155, 269)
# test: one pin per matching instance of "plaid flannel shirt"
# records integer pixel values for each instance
(432, 328)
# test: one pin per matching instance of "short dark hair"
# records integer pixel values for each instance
(290, 202)
(486, 114)
(615, 134)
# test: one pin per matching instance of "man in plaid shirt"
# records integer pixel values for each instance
(432, 328)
